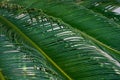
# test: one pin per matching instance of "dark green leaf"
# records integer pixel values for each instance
(75, 55)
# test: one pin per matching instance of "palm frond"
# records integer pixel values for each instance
(73, 54)
(20, 62)
(108, 8)
(93, 24)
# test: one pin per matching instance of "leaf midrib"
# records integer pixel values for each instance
(1, 76)
(91, 37)
(87, 35)
(98, 42)
(8, 23)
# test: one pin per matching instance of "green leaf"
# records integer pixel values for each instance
(20, 62)
(93, 24)
(75, 56)
(1, 76)
(108, 8)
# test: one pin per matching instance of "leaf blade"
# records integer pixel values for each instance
(69, 51)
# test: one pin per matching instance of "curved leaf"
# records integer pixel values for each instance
(20, 62)
(63, 45)
(87, 21)
(108, 8)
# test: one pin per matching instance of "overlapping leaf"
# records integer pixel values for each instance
(21, 62)
(92, 23)
(108, 8)
(76, 55)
